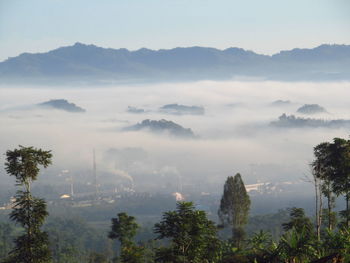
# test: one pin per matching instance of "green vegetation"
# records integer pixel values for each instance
(234, 208)
(28, 211)
(192, 236)
(124, 229)
(332, 168)
(7, 234)
(185, 235)
(73, 240)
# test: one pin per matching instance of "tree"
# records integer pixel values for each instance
(295, 246)
(29, 211)
(299, 242)
(322, 172)
(73, 240)
(262, 247)
(332, 164)
(234, 207)
(317, 182)
(299, 222)
(338, 243)
(340, 163)
(192, 235)
(124, 229)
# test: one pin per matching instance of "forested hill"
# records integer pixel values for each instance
(89, 62)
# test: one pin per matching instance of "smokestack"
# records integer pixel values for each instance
(95, 175)
(71, 186)
(70, 180)
(179, 186)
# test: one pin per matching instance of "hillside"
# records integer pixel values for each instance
(89, 62)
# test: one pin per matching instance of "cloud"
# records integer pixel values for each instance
(232, 139)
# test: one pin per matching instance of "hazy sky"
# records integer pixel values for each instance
(265, 26)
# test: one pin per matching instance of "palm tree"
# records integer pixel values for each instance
(262, 247)
(338, 243)
(296, 247)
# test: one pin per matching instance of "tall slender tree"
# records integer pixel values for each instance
(332, 165)
(322, 170)
(234, 208)
(124, 228)
(317, 182)
(340, 177)
(29, 211)
(299, 221)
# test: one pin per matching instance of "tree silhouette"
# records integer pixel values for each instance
(299, 221)
(322, 170)
(332, 165)
(29, 211)
(234, 207)
(124, 229)
(340, 163)
(193, 236)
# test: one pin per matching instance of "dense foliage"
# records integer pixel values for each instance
(192, 236)
(28, 211)
(234, 208)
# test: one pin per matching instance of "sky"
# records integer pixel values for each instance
(262, 26)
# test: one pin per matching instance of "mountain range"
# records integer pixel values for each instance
(82, 62)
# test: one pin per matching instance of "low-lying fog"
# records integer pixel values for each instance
(233, 134)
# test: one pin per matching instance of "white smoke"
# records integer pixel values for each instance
(124, 174)
(178, 196)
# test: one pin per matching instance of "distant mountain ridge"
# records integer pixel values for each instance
(162, 126)
(61, 104)
(89, 62)
(290, 121)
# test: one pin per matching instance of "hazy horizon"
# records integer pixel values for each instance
(264, 27)
(234, 133)
(277, 51)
